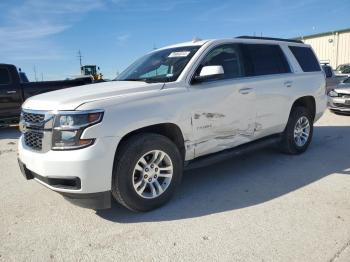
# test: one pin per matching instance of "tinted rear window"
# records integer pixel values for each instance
(4, 76)
(306, 58)
(263, 59)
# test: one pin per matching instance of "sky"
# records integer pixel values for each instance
(46, 35)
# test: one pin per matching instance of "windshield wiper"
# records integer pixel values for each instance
(157, 79)
(148, 80)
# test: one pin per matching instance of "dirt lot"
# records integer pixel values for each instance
(259, 207)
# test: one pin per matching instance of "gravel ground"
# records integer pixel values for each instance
(263, 206)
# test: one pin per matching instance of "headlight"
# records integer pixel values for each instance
(332, 93)
(68, 127)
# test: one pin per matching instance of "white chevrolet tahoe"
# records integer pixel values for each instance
(184, 105)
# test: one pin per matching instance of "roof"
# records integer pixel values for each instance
(185, 44)
(271, 39)
(323, 34)
(239, 39)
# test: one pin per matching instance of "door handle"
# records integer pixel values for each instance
(11, 92)
(288, 83)
(245, 91)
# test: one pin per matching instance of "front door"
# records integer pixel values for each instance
(223, 110)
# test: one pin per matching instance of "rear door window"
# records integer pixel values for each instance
(306, 58)
(4, 76)
(263, 59)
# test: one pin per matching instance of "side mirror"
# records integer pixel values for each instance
(328, 71)
(210, 73)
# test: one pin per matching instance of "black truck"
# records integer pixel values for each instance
(15, 89)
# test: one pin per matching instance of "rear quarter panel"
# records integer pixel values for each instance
(311, 84)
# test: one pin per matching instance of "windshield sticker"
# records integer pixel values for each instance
(179, 54)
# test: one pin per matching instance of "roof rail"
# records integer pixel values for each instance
(271, 38)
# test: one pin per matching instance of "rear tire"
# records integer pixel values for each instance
(147, 170)
(298, 133)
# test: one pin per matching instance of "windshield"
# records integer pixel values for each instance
(344, 69)
(160, 66)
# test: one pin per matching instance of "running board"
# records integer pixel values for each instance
(232, 152)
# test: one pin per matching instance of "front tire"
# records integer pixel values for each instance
(148, 169)
(298, 133)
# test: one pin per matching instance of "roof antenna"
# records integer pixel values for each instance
(196, 39)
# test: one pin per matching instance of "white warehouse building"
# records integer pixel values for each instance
(332, 47)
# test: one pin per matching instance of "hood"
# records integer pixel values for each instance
(343, 88)
(71, 98)
(343, 85)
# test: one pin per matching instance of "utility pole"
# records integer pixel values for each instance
(80, 57)
(34, 68)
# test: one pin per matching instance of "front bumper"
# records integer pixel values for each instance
(338, 104)
(82, 176)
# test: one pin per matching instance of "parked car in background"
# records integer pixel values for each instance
(332, 79)
(343, 69)
(183, 105)
(15, 89)
(345, 83)
(339, 98)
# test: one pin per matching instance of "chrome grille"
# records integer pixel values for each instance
(33, 118)
(34, 140)
(36, 127)
(344, 95)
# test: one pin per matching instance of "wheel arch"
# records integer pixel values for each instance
(308, 102)
(169, 130)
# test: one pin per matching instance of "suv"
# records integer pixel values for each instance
(180, 106)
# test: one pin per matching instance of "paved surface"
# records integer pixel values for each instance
(260, 207)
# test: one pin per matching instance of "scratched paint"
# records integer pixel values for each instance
(222, 140)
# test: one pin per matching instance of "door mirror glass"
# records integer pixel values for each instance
(210, 73)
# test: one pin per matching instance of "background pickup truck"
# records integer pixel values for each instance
(15, 89)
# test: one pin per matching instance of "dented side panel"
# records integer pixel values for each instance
(222, 117)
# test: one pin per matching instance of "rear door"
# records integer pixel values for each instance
(268, 68)
(10, 100)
